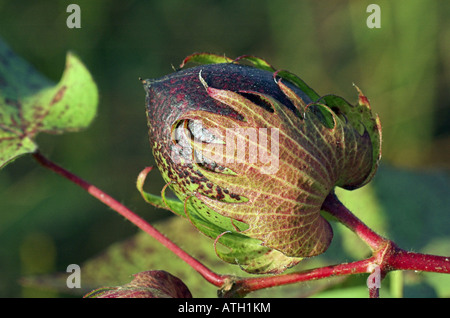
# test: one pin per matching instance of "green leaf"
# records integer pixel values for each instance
(299, 83)
(205, 58)
(30, 103)
(258, 62)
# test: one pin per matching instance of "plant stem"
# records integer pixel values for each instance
(374, 292)
(209, 275)
(400, 259)
(387, 255)
(247, 285)
(390, 256)
(333, 206)
(396, 284)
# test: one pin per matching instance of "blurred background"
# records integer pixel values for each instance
(47, 223)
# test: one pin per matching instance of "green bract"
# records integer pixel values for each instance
(252, 153)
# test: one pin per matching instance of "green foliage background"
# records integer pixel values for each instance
(46, 223)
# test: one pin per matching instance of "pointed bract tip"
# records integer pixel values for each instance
(362, 99)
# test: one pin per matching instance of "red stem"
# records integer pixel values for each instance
(400, 259)
(333, 206)
(388, 253)
(374, 292)
(247, 285)
(209, 275)
(385, 253)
